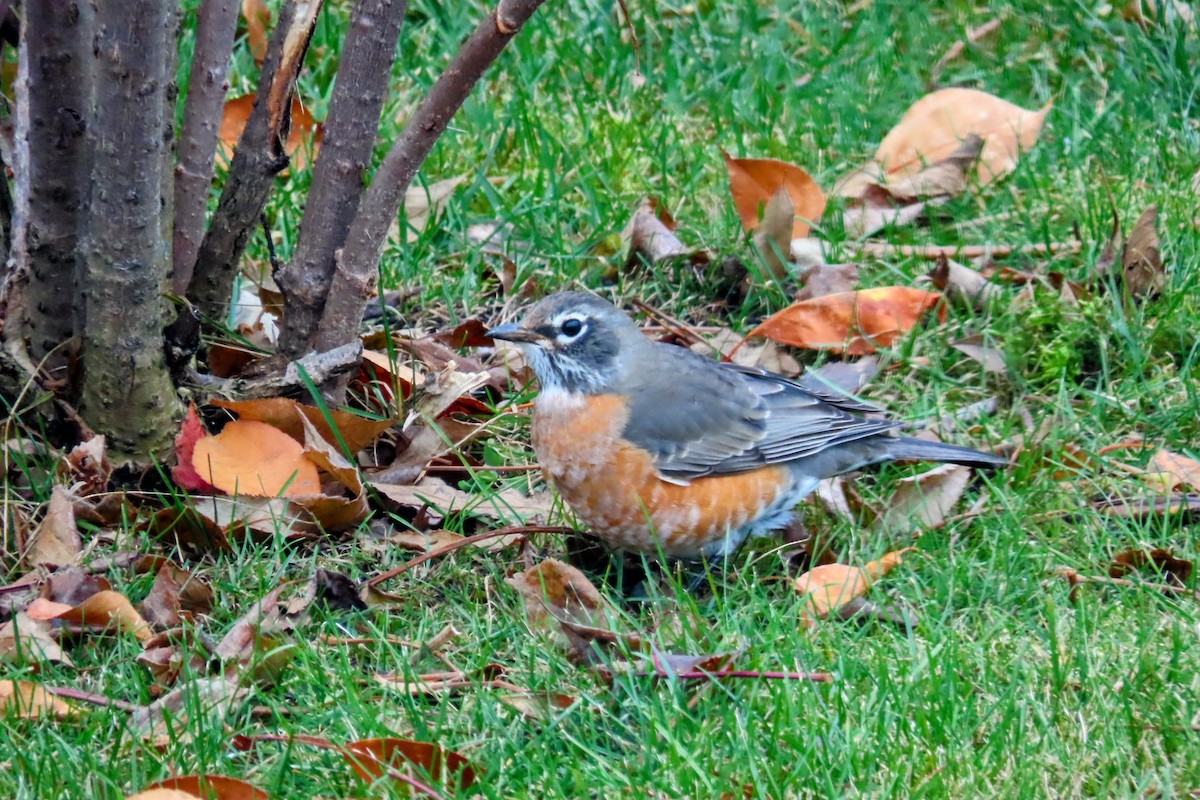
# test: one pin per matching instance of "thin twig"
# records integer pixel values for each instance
(461, 543)
(79, 695)
(670, 324)
(1074, 578)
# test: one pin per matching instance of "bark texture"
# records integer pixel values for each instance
(52, 162)
(216, 24)
(259, 157)
(127, 391)
(341, 170)
(357, 269)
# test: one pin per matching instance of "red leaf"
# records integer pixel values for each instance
(183, 473)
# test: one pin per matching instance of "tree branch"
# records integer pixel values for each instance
(358, 264)
(341, 170)
(258, 159)
(216, 24)
(127, 391)
(52, 166)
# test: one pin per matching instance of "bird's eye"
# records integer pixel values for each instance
(572, 327)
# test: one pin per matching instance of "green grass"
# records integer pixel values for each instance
(1005, 687)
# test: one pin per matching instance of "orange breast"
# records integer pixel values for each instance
(614, 488)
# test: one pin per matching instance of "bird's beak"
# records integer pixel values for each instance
(512, 332)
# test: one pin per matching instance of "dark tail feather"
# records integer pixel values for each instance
(902, 448)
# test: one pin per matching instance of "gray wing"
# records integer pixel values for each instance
(718, 419)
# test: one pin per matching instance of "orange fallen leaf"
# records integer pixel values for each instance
(303, 128)
(253, 458)
(856, 323)
(102, 610)
(257, 17)
(936, 125)
(753, 181)
(210, 787)
(831, 586)
(1183, 471)
(280, 412)
(28, 701)
(371, 758)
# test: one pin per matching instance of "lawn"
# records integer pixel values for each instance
(1006, 682)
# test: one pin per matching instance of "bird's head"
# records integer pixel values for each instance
(574, 341)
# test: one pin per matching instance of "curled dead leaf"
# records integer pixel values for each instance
(828, 587)
(753, 181)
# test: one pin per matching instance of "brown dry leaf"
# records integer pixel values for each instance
(826, 279)
(753, 181)
(371, 758)
(280, 412)
(964, 285)
(170, 715)
(650, 237)
(924, 500)
(87, 467)
(538, 705)
(558, 597)
(1183, 471)
(768, 355)
(304, 137)
(71, 586)
(946, 177)
(1144, 271)
(421, 204)
(976, 348)
(956, 49)
(1152, 508)
(1176, 570)
(509, 505)
(263, 618)
(936, 125)
(103, 610)
(208, 787)
(334, 512)
(56, 540)
(24, 700)
(773, 236)
(258, 19)
(1151, 12)
(829, 587)
(175, 595)
(876, 210)
(423, 541)
(253, 458)
(25, 640)
(855, 323)
(213, 520)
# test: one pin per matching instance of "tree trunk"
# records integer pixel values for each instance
(54, 96)
(216, 24)
(341, 170)
(127, 391)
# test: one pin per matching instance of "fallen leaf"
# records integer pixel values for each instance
(831, 586)
(103, 610)
(1184, 471)
(72, 585)
(946, 177)
(172, 714)
(1144, 271)
(304, 136)
(924, 500)
(508, 505)
(855, 323)
(372, 758)
(256, 459)
(164, 794)
(768, 355)
(25, 700)
(340, 426)
(773, 236)
(826, 279)
(25, 640)
(956, 49)
(423, 203)
(1164, 561)
(209, 787)
(56, 540)
(650, 238)
(183, 473)
(258, 19)
(87, 467)
(559, 597)
(938, 123)
(1148, 13)
(753, 181)
(976, 348)
(964, 285)
(175, 594)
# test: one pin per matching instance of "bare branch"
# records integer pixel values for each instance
(127, 390)
(52, 165)
(216, 24)
(258, 159)
(358, 265)
(341, 170)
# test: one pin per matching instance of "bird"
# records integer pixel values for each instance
(662, 452)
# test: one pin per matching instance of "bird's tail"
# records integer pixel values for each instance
(903, 448)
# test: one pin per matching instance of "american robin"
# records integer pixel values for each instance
(660, 450)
